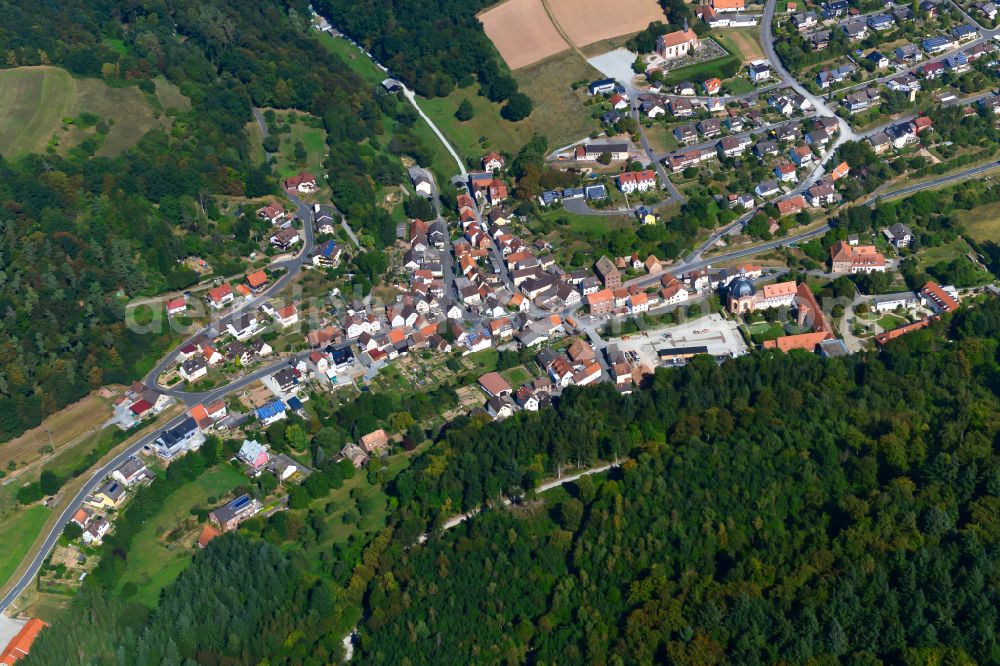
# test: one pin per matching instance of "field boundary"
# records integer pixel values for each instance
(560, 30)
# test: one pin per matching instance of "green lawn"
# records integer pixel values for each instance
(484, 361)
(41, 107)
(517, 376)
(19, 532)
(355, 59)
(763, 330)
(588, 224)
(86, 452)
(929, 256)
(739, 86)
(313, 140)
(890, 321)
(484, 132)
(697, 71)
(981, 223)
(153, 563)
(33, 102)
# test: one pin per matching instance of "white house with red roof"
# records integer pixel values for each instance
(937, 298)
(677, 44)
(272, 212)
(286, 316)
(492, 161)
(643, 181)
(303, 183)
(220, 296)
(176, 305)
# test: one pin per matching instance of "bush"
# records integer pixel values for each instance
(465, 111)
(518, 107)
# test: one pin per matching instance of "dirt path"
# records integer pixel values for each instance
(455, 521)
(61, 430)
(559, 29)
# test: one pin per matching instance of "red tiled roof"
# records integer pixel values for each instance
(139, 407)
(257, 278)
(885, 337)
(20, 645)
(208, 532)
(602, 296)
(679, 37)
(218, 293)
(933, 291)
(792, 205)
(806, 341)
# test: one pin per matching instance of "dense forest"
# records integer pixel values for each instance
(433, 46)
(241, 602)
(80, 234)
(775, 508)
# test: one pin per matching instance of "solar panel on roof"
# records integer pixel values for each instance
(239, 502)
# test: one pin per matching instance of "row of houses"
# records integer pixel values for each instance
(95, 518)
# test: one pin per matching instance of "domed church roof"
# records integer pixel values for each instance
(741, 288)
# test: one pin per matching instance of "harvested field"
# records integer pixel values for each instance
(746, 43)
(522, 32)
(589, 21)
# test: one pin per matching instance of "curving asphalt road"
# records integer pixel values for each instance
(64, 517)
(292, 268)
(99, 476)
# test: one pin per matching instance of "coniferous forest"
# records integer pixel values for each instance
(774, 509)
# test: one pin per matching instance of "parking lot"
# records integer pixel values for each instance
(719, 335)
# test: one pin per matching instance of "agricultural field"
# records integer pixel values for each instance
(45, 107)
(163, 548)
(528, 31)
(589, 21)
(742, 42)
(522, 32)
